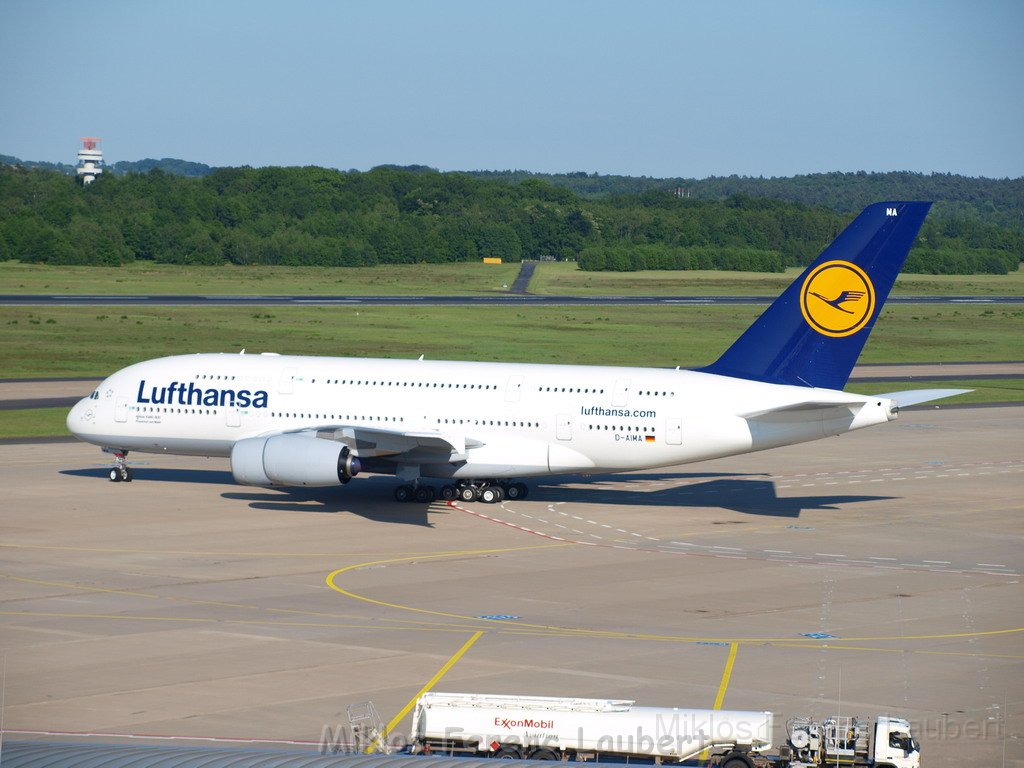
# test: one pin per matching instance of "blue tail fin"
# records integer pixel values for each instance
(813, 333)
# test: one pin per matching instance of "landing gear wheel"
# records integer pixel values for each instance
(404, 493)
(468, 493)
(424, 494)
(491, 494)
(120, 472)
(449, 492)
(516, 491)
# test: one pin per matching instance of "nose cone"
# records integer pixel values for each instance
(76, 416)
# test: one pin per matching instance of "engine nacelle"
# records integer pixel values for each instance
(292, 460)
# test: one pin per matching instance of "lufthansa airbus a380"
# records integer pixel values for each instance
(480, 428)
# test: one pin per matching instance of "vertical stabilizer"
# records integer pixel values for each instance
(813, 333)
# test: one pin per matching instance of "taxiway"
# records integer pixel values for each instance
(875, 573)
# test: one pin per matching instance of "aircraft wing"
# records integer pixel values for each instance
(407, 446)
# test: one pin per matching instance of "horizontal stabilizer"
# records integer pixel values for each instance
(808, 410)
(915, 396)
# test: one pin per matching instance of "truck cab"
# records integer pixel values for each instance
(894, 744)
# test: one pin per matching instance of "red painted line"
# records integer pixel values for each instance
(749, 556)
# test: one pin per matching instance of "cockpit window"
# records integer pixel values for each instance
(95, 395)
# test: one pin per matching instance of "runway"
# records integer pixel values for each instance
(498, 299)
(875, 573)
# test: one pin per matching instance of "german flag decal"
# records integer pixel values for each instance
(648, 438)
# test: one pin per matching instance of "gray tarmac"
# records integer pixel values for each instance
(879, 572)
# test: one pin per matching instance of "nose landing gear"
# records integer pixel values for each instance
(120, 472)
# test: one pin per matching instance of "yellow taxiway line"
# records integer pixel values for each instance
(726, 674)
(429, 684)
(527, 628)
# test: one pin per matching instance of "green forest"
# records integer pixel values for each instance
(389, 215)
(994, 201)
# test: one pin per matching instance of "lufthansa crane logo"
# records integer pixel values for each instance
(837, 298)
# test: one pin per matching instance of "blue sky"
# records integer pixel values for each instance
(641, 88)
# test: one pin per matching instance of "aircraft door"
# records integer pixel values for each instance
(674, 431)
(513, 389)
(234, 417)
(121, 409)
(287, 383)
(563, 427)
(621, 394)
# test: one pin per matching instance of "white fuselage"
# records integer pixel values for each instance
(510, 420)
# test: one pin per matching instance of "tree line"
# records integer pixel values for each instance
(992, 201)
(318, 216)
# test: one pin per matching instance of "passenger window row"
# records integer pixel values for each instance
(491, 423)
(407, 384)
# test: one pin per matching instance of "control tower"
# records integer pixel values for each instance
(90, 160)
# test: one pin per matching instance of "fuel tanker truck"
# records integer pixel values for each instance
(615, 730)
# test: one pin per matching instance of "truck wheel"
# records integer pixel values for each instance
(507, 753)
(737, 761)
(543, 754)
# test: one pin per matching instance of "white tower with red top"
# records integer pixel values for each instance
(90, 160)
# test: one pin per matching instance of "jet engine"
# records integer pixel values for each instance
(292, 459)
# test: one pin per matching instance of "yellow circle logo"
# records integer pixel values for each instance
(837, 298)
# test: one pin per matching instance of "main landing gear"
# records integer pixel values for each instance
(421, 494)
(120, 472)
(487, 491)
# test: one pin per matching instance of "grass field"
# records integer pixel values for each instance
(148, 278)
(34, 422)
(550, 278)
(91, 341)
(564, 279)
(985, 390)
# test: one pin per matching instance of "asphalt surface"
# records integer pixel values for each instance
(878, 572)
(523, 278)
(509, 299)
